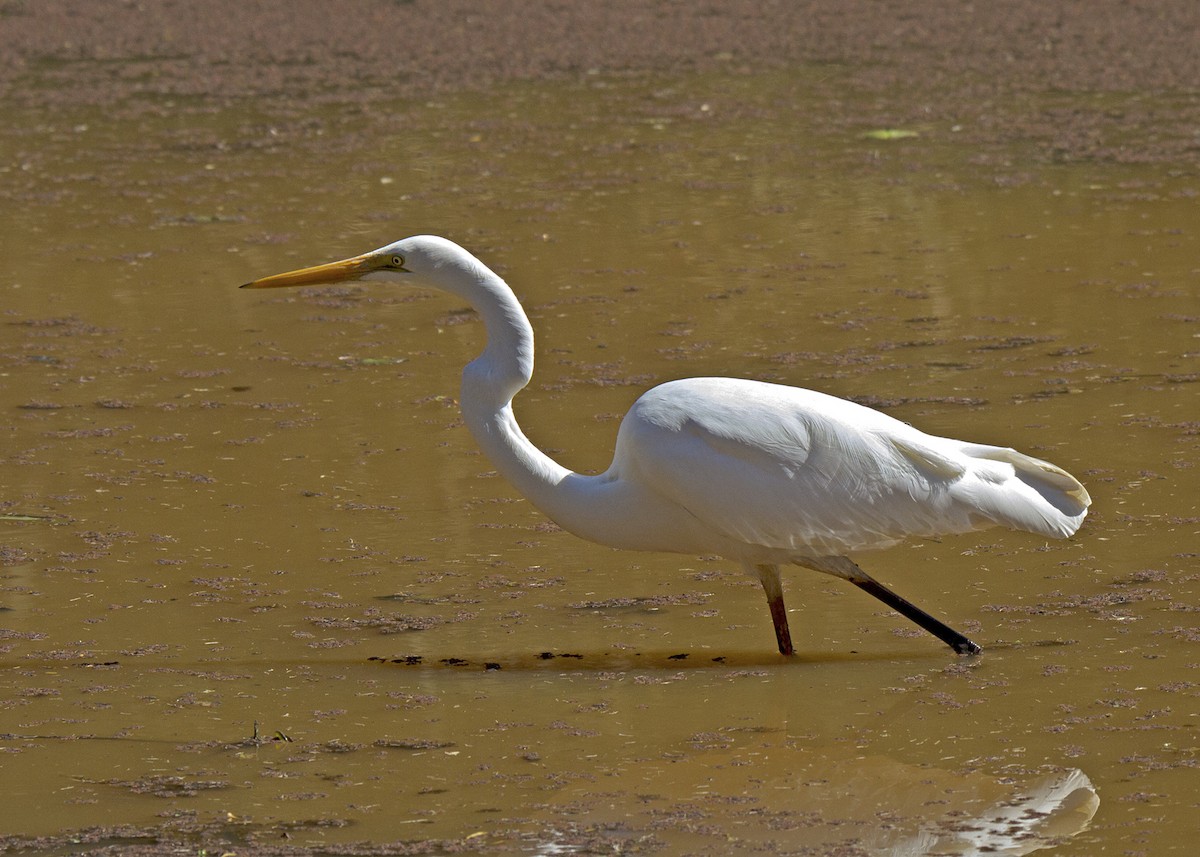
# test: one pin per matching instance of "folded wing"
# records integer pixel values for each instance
(793, 469)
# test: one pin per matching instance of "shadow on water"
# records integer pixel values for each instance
(661, 660)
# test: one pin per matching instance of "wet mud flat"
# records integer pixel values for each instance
(225, 627)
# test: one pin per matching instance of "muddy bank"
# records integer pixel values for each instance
(977, 65)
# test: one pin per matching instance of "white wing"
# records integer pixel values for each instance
(792, 469)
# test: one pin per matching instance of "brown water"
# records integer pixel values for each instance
(224, 508)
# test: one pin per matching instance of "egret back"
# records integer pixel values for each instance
(802, 473)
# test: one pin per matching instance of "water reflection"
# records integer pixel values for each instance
(1038, 815)
(864, 805)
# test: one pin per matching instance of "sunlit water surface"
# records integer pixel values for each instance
(230, 511)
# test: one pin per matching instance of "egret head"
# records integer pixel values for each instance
(423, 255)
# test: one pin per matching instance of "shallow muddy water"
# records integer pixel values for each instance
(259, 587)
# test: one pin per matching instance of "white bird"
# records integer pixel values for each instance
(763, 474)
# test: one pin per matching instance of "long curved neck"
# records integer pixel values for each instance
(603, 508)
(489, 383)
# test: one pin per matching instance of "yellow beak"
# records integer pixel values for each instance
(331, 272)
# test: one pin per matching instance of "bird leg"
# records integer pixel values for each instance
(939, 629)
(844, 568)
(771, 584)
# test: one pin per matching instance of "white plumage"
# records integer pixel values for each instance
(763, 474)
(788, 470)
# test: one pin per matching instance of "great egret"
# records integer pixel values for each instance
(763, 474)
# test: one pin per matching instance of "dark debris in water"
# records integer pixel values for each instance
(411, 744)
(394, 624)
(1004, 343)
(165, 785)
(182, 832)
(883, 402)
(651, 602)
(601, 660)
(406, 598)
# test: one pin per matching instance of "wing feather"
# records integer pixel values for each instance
(796, 470)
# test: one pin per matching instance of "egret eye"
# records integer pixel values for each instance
(397, 261)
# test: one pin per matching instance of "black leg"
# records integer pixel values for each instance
(939, 629)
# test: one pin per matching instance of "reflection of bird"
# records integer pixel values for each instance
(1040, 815)
(760, 473)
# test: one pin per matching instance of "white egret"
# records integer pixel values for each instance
(763, 474)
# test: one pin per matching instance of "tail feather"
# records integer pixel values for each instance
(1035, 495)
